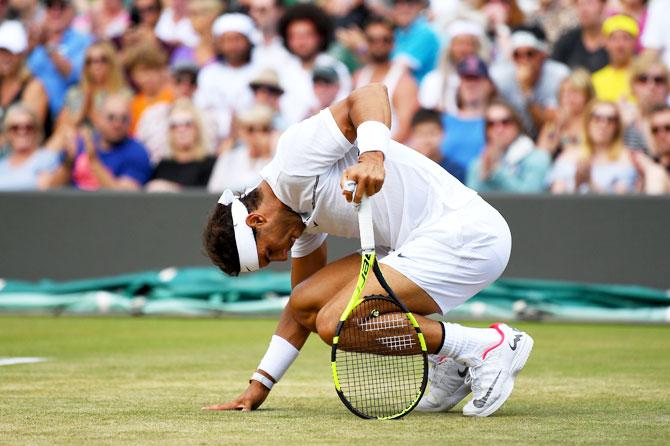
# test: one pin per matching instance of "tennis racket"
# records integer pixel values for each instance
(379, 357)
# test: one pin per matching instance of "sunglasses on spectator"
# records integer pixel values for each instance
(268, 89)
(386, 39)
(600, 117)
(187, 123)
(185, 79)
(503, 122)
(258, 129)
(472, 77)
(97, 60)
(123, 119)
(657, 80)
(656, 129)
(527, 54)
(21, 128)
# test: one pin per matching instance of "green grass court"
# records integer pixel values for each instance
(143, 381)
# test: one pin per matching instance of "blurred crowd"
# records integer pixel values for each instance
(521, 96)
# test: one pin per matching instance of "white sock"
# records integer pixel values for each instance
(467, 345)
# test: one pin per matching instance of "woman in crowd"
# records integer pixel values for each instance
(17, 83)
(510, 162)
(566, 130)
(102, 77)
(602, 163)
(26, 166)
(438, 88)
(465, 127)
(188, 165)
(240, 167)
(650, 84)
(202, 14)
(502, 16)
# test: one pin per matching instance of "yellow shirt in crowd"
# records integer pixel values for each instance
(611, 84)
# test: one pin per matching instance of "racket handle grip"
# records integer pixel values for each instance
(365, 225)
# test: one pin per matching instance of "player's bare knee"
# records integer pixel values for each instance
(302, 309)
(326, 325)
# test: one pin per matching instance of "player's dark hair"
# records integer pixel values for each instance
(324, 25)
(219, 235)
(426, 115)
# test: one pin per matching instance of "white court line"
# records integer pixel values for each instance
(13, 361)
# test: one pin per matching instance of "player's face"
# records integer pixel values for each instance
(275, 238)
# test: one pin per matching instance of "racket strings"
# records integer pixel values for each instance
(379, 360)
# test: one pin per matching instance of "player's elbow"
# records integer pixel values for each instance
(374, 90)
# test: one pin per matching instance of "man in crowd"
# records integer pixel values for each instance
(59, 57)
(307, 32)
(530, 84)
(107, 158)
(426, 135)
(416, 44)
(659, 123)
(612, 83)
(326, 86)
(223, 86)
(402, 87)
(269, 50)
(584, 46)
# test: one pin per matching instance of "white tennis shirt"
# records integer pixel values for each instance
(305, 175)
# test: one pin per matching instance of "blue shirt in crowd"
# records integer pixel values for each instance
(128, 158)
(25, 176)
(73, 48)
(419, 44)
(463, 143)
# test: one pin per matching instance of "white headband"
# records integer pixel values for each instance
(244, 235)
(522, 39)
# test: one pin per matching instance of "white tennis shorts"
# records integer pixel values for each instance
(456, 254)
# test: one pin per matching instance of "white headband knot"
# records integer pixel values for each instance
(244, 235)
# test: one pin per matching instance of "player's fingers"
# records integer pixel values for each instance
(361, 188)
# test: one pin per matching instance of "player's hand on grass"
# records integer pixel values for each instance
(250, 399)
(368, 174)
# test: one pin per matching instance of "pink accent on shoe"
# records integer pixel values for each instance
(502, 338)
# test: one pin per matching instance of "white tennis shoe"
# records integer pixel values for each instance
(492, 380)
(447, 387)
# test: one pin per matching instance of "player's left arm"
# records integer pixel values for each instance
(365, 116)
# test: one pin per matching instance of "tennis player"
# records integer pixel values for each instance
(443, 244)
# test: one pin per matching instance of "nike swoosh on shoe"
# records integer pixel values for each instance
(481, 402)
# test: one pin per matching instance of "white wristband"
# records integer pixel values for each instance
(278, 358)
(373, 136)
(267, 382)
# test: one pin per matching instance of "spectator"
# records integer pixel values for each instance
(502, 16)
(566, 130)
(223, 86)
(650, 87)
(637, 9)
(108, 19)
(510, 161)
(584, 46)
(174, 26)
(326, 86)
(144, 15)
(59, 57)
(612, 83)
(269, 50)
(240, 168)
(349, 16)
(31, 13)
(268, 91)
(656, 36)
(655, 170)
(108, 158)
(26, 166)
(307, 33)
(102, 76)
(602, 164)
(148, 68)
(465, 128)
(427, 135)
(17, 83)
(202, 14)
(530, 84)
(438, 88)
(402, 88)
(416, 44)
(189, 165)
(555, 17)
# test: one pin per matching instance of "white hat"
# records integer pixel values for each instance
(235, 22)
(523, 39)
(13, 37)
(465, 28)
